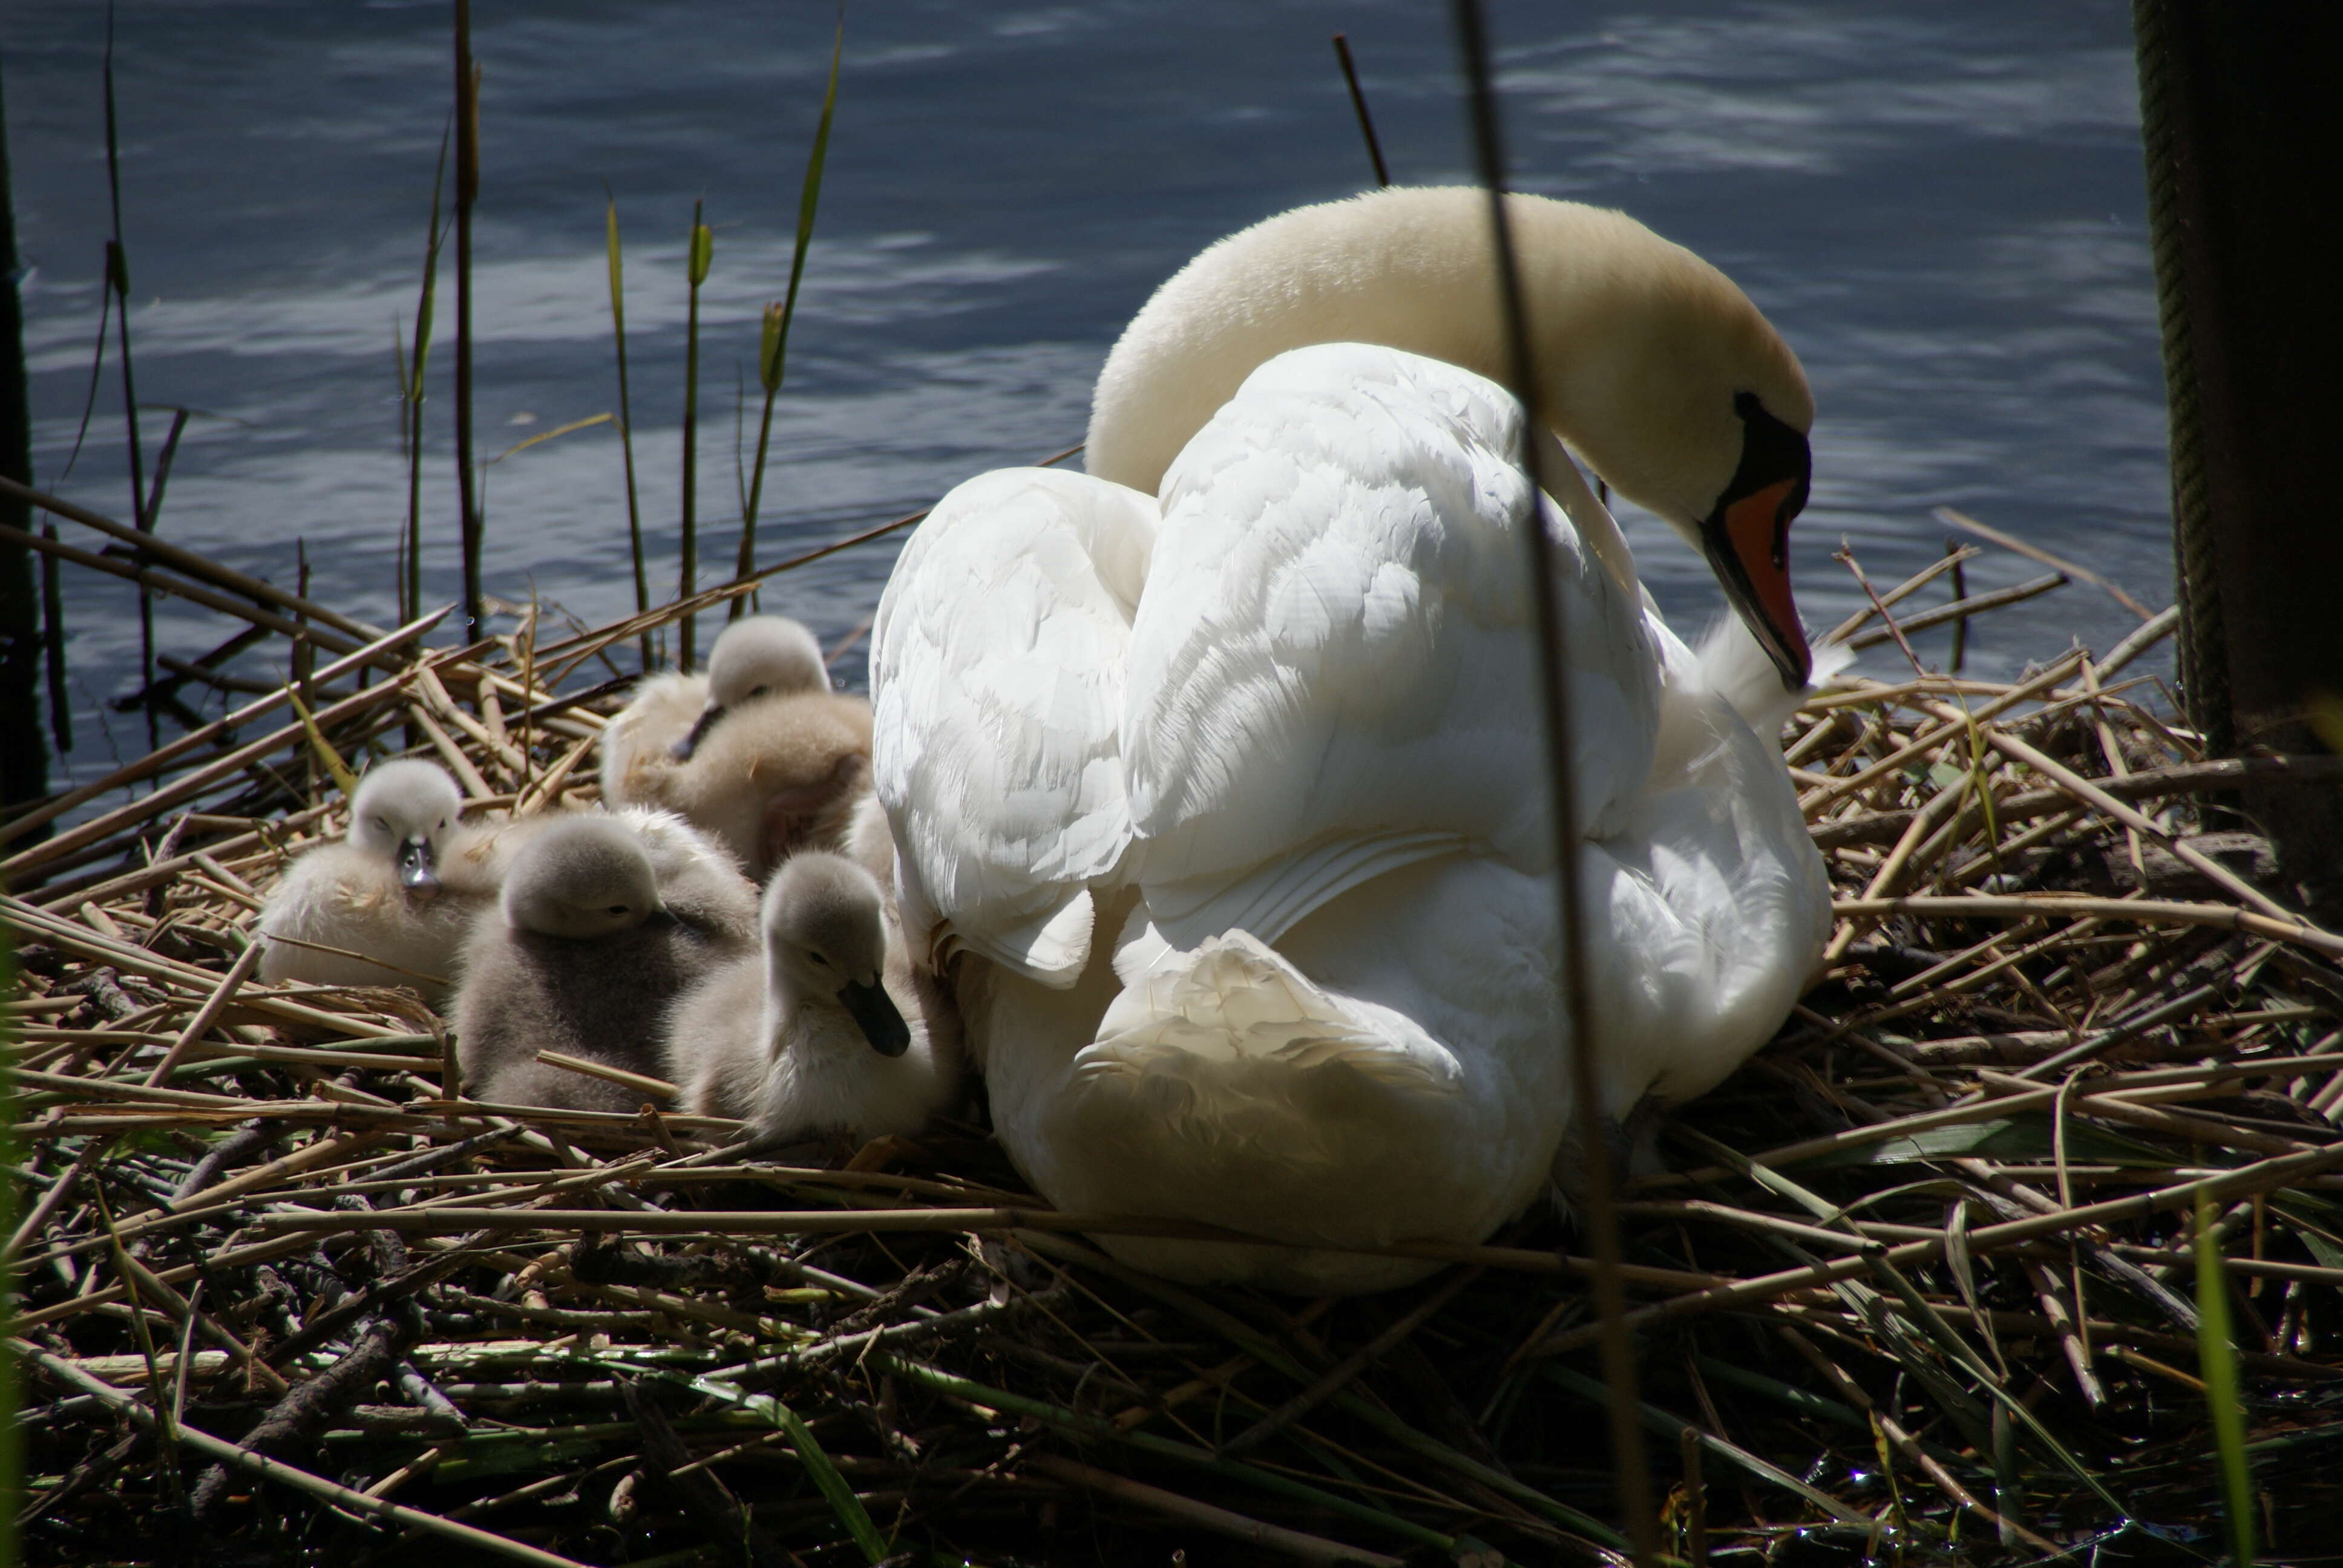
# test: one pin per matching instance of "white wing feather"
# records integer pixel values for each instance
(1332, 672)
(996, 676)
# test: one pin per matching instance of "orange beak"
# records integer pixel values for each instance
(1757, 537)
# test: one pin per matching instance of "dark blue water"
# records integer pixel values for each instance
(1940, 208)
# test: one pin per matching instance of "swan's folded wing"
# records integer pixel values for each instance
(996, 678)
(1337, 643)
(1708, 914)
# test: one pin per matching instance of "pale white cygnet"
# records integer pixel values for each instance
(388, 904)
(759, 751)
(760, 656)
(603, 921)
(830, 1031)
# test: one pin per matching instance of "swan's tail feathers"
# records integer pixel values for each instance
(1738, 668)
(1233, 1009)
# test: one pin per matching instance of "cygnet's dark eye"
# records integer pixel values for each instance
(617, 910)
(819, 959)
(383, 823)
(759, 691)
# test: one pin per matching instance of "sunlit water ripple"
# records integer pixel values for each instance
(1940, 209)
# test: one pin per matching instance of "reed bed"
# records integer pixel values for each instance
(1925, 1282)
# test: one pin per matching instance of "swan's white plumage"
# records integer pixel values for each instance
(1231, 799)
(1337, 584)
(996, 665)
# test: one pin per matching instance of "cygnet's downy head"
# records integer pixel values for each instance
(826, 936)
(581, 878)
(761, 656)
(406, 811)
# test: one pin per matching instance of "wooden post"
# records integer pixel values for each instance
(23, 755)
(2243, 131)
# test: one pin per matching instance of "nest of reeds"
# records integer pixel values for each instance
(2030, 1219)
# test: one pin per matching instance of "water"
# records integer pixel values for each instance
(1940, 208)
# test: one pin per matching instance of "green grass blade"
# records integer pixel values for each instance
(826, 1478)
(2217, 1356)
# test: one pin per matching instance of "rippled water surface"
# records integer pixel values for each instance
(1940, 208)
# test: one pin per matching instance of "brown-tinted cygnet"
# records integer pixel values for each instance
(829, 1030)
(759, 752)
(392, 899)
(603, 923)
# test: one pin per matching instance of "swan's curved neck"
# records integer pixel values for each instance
(1640, 345)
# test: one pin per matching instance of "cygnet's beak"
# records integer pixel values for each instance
(682, 749)
(1747, 537)
(419, 869)
(874, 1013)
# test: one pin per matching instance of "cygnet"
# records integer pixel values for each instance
(388, 904)
(759, 751)
(604, 920)
(830, 1029)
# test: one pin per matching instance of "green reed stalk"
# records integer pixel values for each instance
(117, 278)
(626, 420)
(774, 352)
(411, 385)
(703, 247)
(468, 191)
(2216, 1355)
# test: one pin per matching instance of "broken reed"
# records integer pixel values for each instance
(1923, 1278)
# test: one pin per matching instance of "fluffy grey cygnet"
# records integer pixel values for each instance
(400, 888)
(829, 1031)
(604, 920)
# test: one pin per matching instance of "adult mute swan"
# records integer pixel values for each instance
(1215, 779)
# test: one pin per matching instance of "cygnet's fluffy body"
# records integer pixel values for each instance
(759, 751)
(603, 921)
(394, 897)
(829, 1029)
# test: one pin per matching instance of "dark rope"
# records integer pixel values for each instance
(2204, 663)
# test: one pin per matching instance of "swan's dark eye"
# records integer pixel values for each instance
(819, 959)
(383, 823)
(759, 691)
(617, 910)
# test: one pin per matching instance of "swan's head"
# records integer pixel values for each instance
(581, 876)
(826, 936)
(1654, 366)
(405, 812)
(757, 657)
(1679, 393)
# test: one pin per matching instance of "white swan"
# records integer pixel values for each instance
(1215, 776)
(757, 751)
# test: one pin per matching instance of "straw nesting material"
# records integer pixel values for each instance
(1920, 1279)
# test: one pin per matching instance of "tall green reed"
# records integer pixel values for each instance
(627, 420)
(411, 367)
(702, 252)
(118, 281)
(468, 192)
(2217, 1354)
(773, 352)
